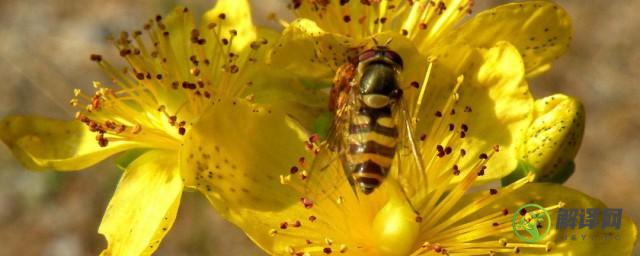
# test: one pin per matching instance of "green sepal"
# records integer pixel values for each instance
(322, 124)
(520, 172)
(123, 160)
(559, 176)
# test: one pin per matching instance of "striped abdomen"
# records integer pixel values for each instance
(372, 145)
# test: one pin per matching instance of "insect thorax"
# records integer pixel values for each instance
(378, 84)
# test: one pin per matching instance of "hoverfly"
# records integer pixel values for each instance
(368, 110)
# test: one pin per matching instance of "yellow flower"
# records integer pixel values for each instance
(470, 108)
(176, 71)
(321, 215)
(323, 39)
(327, 34)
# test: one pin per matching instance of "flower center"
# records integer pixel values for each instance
(395, 228)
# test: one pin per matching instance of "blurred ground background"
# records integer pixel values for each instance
(44, 49)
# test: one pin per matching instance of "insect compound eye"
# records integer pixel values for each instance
(366, 55)
(395, 57)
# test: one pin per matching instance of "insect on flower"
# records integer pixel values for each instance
(370, 119)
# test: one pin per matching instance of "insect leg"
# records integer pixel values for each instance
(396, 186)
(410, 135)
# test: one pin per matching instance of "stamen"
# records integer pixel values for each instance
(423, 89)
(147, 84)
(272, 16)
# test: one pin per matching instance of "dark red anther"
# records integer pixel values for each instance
(172, 120)
(96, 57)
(314, 138)
(308, 145)
(306, 202)
(481, 172)
(95, 102)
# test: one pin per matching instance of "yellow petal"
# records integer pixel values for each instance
(144, 205)
(547, 194)
(492, 103)
(230, 15)
(540, 30)
(306, 50)
(41, 143)
(179, 23)
(279, 89)
(236, 153)
(454, 11)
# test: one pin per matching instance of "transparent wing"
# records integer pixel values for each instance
(327, 177)
(408, 149)
(324, 174)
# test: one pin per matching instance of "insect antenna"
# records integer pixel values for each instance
(386, 43)
(378, 45)
(375, 42)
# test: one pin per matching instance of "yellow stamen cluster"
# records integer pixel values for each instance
(173, 74)
(419, 20)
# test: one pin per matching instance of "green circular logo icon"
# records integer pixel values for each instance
(531, 223)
